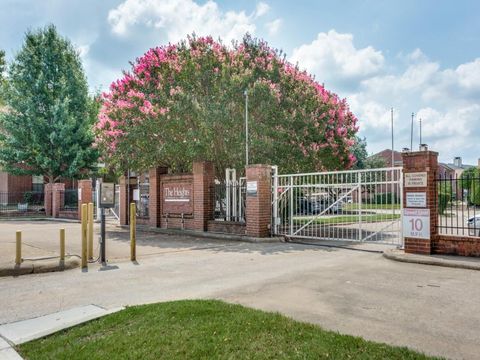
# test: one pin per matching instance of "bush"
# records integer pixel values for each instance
(386, 198)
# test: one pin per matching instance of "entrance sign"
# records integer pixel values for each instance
(252, 188)
(177, 197)
(416, 199)
(107, 195)
(416, 223)
(417, 179)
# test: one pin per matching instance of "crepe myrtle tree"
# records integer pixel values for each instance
(46, 128)
(185, 101)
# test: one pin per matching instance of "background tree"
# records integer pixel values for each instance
(359, 150)
(2, 70)
(47, 129)
(470, 185)
(185, 101)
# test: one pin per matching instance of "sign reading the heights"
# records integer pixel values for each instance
(177, 198)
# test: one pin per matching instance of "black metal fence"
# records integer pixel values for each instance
(70, 200)
(26, 203)
(458, 205)
(229, 200)
(144, 200)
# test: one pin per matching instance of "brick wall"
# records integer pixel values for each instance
(258, 212)
(85, 187)
(227, 227)
(155, 203)
(203, 180)
(456, 245)
(58, 198)
(48, 199)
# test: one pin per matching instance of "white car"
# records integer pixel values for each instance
(473, 223)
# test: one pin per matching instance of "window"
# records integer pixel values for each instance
(37, 184)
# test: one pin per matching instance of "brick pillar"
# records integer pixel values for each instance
(259, 206)
(85, 194)
(48, 199)
(203, 182)
(422, 162)
(155, 198)
(58, 198)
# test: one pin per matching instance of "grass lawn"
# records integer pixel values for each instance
(198, 329)
(371, 206)
(346, 219)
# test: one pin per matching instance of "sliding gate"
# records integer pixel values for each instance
(360, 205)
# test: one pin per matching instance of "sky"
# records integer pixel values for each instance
(415, 56)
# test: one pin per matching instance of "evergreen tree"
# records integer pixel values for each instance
(2, 70)
(47, 128)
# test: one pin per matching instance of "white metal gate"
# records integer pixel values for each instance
(358, 205)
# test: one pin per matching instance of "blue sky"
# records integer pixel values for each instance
(415, 56)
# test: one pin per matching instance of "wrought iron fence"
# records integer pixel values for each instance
(144, 200)
(229, 200)
(458, 205)
(21, 203)
(69, 200)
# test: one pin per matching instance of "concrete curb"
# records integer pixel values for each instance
(21, 218)
(208, 235)
(38, 266)
(451, 261)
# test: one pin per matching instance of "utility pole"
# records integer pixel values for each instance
(421, 132)
(411, 134)
(246, 126)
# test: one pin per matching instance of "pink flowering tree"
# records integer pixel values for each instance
(183, 102)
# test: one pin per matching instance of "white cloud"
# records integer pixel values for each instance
(273, 26)
(334, 59)
(178, 18)
(262, 9)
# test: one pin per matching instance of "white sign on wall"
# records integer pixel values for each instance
(136, 194)
(416, 223)
(252, 188)
(416, 199)
(418, 179)
(79, 194)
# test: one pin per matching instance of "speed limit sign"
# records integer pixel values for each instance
(416, 223)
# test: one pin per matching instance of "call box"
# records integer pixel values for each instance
(107, 195)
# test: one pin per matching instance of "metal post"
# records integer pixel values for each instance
(90, 231)
(84, 218)
(291, 205)
(411, 134)
(360, 233)
(62, 244)
(97, 199)
(18, 252)
(246, 126)
(133, 236)
(102, 237)
(275, 199)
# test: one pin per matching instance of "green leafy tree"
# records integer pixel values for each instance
(470, 183)
(47, 129)
(359, 150)
(2, 70)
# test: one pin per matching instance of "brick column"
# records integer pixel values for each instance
(425, 162)
(58, 198)
(259, 206)
(85, 194)
(155, 198)
(203, 182)
(48, 199)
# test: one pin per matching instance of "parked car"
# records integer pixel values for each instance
(473, 224)
(313, 206)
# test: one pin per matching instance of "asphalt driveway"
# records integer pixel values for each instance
(431, 309)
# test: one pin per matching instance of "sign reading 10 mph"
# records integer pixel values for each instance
(416, 223)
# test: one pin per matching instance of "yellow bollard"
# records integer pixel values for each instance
(62, 244)
(90, 231)
(18, 252)
(84, 235)
(133, 240)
